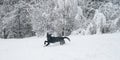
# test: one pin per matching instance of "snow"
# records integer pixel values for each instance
(88, 47)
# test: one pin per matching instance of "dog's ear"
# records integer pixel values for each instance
(50, 34)
(47, 33)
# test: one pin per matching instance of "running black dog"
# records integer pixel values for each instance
(51, 39)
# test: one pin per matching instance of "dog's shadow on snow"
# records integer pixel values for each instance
(54, 45)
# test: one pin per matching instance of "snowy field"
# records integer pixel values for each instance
(89, 47)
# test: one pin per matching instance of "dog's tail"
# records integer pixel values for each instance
(67, 38)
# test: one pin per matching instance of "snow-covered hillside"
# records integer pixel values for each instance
(89, 47)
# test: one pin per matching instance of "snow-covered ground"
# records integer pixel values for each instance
(89, 47)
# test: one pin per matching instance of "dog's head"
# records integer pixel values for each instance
(49, 35)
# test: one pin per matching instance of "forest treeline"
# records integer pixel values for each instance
(27, 18)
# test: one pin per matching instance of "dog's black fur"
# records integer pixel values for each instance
(51, 39)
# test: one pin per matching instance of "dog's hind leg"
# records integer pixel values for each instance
(62, 42)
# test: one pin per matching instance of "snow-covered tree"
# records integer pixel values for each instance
(111, 12)
(40, 14)
(15, 20)
(99, 21)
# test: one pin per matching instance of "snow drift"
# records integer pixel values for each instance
(89, 47)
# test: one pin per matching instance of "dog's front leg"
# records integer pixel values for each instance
(47, 43)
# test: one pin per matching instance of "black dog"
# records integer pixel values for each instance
(51, 39)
